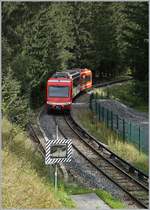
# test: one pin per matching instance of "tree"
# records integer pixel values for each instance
(136, 36)
(105, 44)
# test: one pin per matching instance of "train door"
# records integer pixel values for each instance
(76, 86)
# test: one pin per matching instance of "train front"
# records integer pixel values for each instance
(59, 94)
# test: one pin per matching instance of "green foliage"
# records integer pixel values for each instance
(43, 37)
(128, 93)
(112, 201)
(136, 38)
(105, 45)
(6, 56)
(141, 91)
(126, 151)
(26, 182)
(14, 104)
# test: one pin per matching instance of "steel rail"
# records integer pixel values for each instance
(92, 139)
(103, 171)
(33, 134)
(132, 168)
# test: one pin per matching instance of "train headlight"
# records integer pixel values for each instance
(67, 103)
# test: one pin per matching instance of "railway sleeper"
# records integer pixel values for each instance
(127, 186)
(120, 180)
(105, 168)
(134, 189)
(139, 196)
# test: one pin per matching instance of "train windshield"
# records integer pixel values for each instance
(58, 91)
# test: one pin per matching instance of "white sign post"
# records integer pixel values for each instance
(56, 177)
(58, 150)
(56, 163)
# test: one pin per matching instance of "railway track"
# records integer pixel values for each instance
(35, 134)
(124, 175)
(134, 188)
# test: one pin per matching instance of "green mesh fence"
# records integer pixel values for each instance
(129, 131)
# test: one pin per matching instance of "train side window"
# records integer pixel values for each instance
(83, 79)
(88, 78)
(76, 81)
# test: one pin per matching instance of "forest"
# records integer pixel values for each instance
(39, 38)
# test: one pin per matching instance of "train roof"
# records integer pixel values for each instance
(58, 80)
(69, 73)
(60, 75)
(66, 74)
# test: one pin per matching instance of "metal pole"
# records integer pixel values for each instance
(56, 132)
(56, 163)
(139, 139)
(130, 130)
(117, 121)
(55, 177)
(107, 118)
(111, 120)
(123, 129)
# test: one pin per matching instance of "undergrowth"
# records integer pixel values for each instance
(114, 142)
(26, 181)
(125, 94)
(113, 202)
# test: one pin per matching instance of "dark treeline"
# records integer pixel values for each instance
(39, 38)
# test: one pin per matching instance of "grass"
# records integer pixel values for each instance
(26, 181)
(114, 142)
(113, 202)
(124, 94)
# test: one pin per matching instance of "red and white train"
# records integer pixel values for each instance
(62, 87)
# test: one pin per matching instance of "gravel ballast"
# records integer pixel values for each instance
(80, 168)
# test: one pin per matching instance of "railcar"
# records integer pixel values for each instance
(62, 87)
(85, 79)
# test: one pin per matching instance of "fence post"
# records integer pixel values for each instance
(130, 130)
(98, 111)
(107, 92)
(139, 139)
(107, 118)
(111, 119)
(123, 129)
(90, 101)
(96, 95)
(103, 113)
(117, 122)
(103, 95)
(96, 107)
(99, 106)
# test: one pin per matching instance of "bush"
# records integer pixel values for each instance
(26, 180)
